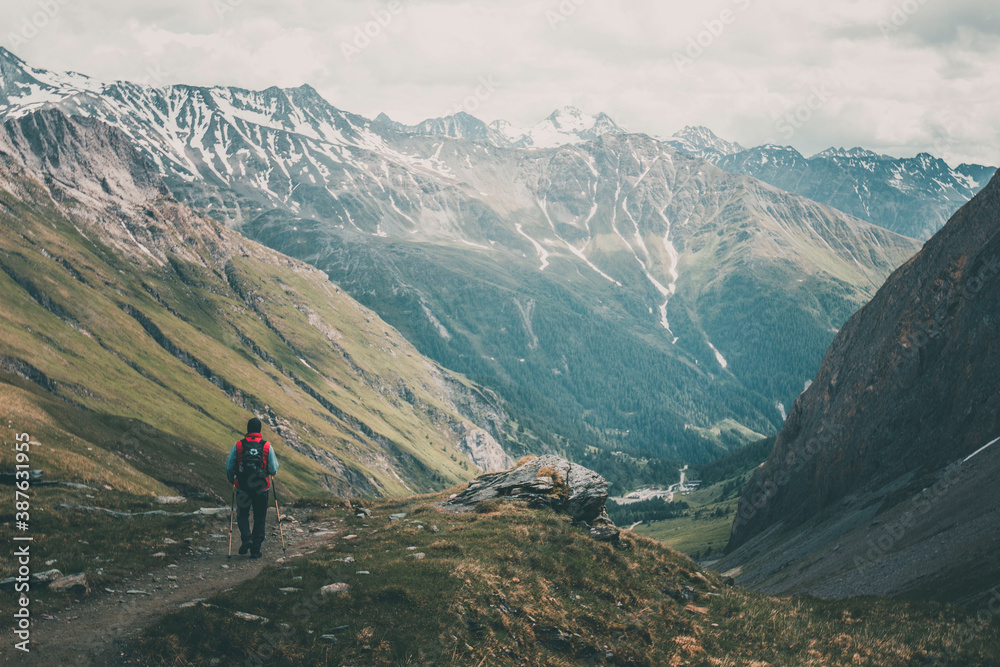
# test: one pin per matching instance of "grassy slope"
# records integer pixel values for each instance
(75, 332)
(108, 406)
(518, 586)
(699, 532)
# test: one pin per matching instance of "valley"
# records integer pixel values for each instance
(423, 312)
(615, 291)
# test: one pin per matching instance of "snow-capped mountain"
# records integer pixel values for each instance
(459, 126)
(567, 125)
(548, 274)
(912, 196)
(702, 142)
(246, 140)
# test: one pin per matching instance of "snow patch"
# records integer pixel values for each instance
(984, 447)
(718, 356)
(543, 254)
(442, 331)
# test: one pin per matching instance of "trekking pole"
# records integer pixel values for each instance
(278, 512)
(232, 508)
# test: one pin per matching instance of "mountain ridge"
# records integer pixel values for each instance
(911, 196)
(620, 238)
(204, 327)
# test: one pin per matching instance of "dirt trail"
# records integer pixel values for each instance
(99, 629)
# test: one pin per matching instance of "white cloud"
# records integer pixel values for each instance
(903, 76)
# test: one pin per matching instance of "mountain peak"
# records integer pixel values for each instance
(9, 56)
(565, 125)
(702, 142)
(460, 125)
(856, 152)
(568, 111)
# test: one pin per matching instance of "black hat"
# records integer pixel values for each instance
(253, 426)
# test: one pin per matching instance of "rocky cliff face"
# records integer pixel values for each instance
(904, 399)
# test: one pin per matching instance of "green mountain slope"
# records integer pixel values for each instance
(617, 293)
(139, 337)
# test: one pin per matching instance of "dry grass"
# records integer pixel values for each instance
(518, 586)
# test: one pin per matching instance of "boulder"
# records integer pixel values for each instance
(335, 589)
(253, 618)
(38, 579)
(603, 529)
(72, 583)
(547, 481)
(46, 577)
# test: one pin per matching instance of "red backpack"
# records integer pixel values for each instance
(251, 465)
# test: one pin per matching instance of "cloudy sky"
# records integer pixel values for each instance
(896, 76)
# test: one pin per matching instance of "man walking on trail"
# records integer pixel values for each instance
(250, 465)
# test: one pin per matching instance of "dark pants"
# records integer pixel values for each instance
(244, 503)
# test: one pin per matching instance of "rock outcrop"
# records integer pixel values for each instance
(548, 481)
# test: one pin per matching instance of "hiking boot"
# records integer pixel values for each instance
(255, 552)
(245, 547)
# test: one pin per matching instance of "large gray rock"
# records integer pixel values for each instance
(548, 481)
(35, 579)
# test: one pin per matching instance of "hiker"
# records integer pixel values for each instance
(251, 463)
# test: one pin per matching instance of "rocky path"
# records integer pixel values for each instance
(99, 629)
